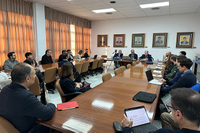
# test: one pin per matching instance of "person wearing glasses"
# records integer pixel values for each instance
(185, 118)
(47, 59)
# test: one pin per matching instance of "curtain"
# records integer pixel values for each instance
(86, 34)
(57, 37)
(78, 39)
(20, 35)
(3, 37)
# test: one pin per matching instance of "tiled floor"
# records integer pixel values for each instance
(94, 80)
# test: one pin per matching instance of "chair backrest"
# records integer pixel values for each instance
(78, 67)
(94, 64)
(134, 63)
(35, 88)
(123, 68)
(72, 76)
(6, 126)
(4, 83)
(137, 62)
(106, 77)
(56, 60)
(60, 91)
(117, 71)
(50, 74)
(85, 66)
(100, 64)
(39, 62)
(104, 56)
(128, 66)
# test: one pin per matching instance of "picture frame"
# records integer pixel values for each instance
(119, 40)
(184, 39)
(159, 40)
(102, 40)
(138, 40)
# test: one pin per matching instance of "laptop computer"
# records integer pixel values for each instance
(95, 56)
(151, 79)
(166, 100)
(141, 122)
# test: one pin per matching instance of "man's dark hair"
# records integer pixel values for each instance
(65, 55)
(68, 50)
(29, 61)
(173, 57)
(63, 51)
(86, 49)
(159, 37)
(187, 101)
(185, 62)
(80, 52)
(184, 37)
(10, 54)
(183, 53)
(27, 54)
(19, 72)
(47, 51)
(180, 57)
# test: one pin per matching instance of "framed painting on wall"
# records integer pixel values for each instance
(119, 40)
(160, 40)
(102, 40)
(138, 40)
(184, 39)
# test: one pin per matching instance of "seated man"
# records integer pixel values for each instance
(86, 54)
(165, 57)
(187, 79)
(76, 74)
(47, 59)
(146, 56)
(29, 55)
(11, 62)
(21, 107)
(118, 55)
(185, 110)
(133, 55)
(173, 70)
(60, 57)
(71, 58)
(182, 53)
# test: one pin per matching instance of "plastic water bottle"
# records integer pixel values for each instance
(157, 61)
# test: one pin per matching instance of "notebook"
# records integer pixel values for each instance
(141, 122)
(150, 78)
(166, 100)
(67, 105)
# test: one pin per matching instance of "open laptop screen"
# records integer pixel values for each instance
(138, 114)
(149, 75)
(166, 100)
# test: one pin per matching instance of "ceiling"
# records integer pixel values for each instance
(124, 8)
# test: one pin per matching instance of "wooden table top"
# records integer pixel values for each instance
(105, 103)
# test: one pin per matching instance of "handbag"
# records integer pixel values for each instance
(85, 85)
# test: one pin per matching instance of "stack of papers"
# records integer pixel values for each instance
(157, 71)
(155, 75)
(158, 67)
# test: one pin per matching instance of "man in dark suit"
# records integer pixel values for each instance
(71, 58)
(159, 41)
(146, 56)
(29, 55)
(133, 55)
(18, 105)
(47, 59)
(86, 54)
(60, 57)
(184, 41)
(119, 41)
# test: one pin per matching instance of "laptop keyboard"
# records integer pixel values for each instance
(144, 128)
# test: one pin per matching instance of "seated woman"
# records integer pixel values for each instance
(79, 54)
(67, 85)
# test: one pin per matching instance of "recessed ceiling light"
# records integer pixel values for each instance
(112, 2)
(104, 10)
(155, 5)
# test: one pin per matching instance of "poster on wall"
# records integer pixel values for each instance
(102, 40)
(138, 40)
(119, 40)
(160, 40)
(184, 39)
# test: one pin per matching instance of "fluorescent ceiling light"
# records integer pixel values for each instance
(155, 5)
(104, 10)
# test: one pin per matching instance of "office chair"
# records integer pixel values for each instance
(106, 77)
(50, 77)
(6, 126)
(84, 69)
(93, 67)
(117, 71)
(99, 66)
(123, 68)
(128, 66)
(35, 88)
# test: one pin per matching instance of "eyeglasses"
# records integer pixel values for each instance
(170, 107)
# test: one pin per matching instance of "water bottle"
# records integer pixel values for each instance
(157, 61)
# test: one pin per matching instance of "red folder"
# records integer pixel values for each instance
(67, 105)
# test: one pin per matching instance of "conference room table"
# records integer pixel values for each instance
(122, 62)
(102, 105)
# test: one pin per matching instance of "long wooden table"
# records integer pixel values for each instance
(105, 103)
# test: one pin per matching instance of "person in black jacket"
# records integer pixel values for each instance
(60, 57)
(133, 55)
(146, 56)
(20, 106)
(29, 55)
(67, 85)
(47, 59)
(71, 57)
(86, 54)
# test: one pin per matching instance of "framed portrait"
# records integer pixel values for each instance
(160, 40)
(184, 39)
(102, 40)
(138, 40)
(119, 40)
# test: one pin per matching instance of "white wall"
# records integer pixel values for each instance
(40, 32)
(148, 25)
